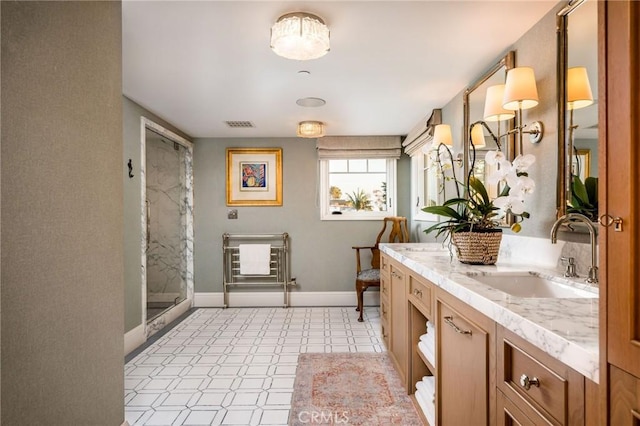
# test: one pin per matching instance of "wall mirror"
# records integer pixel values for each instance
(577, 109)
(474, 111)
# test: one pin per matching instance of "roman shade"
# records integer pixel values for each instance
(359, 147)
(422, 134)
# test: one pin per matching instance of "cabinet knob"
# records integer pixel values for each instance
(526, 382)
(417, 293)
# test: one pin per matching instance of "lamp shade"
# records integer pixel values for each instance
(578, 88)
(520, 89)
(300, 36)
(310, 129)
(477, 136)
(493, 110)
(442, 135)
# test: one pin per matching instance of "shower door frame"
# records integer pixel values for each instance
(151, 327)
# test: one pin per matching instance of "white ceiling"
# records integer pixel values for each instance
(198, 64)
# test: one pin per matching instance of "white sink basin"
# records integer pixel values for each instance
(531, 285)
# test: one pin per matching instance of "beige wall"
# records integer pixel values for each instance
(61, 243)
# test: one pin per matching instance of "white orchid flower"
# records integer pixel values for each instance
(522, 162)
(509, 203)
(525, 185)
(500, 175)
(494, 157)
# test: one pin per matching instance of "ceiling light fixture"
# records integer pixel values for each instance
(311, 102)
(300, 35)
(310, 129)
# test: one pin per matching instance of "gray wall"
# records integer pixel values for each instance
(537, 49)
(322, 258)
(62, 273)
(132, 112)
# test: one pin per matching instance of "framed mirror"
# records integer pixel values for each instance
(577, 109)
(474, 111)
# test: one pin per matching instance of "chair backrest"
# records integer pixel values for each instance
(398, 233)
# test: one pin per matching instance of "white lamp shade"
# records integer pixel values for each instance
(493, 110)
(520, 90)
(310, 129)
(477, 136)
(301, 36)
(442, 135)
(578, 88)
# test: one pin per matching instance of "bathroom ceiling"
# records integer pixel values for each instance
(198, 64)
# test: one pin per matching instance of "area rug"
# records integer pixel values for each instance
(349, 389)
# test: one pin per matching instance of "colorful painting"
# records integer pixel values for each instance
(254, 176)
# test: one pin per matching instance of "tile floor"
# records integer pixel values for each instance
(237, 366)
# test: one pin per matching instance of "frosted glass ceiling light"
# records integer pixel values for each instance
(300, 36)
(310, 129)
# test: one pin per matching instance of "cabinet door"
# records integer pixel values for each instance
(621, 187)
(399, 321)
(463, 368)
(625, 399)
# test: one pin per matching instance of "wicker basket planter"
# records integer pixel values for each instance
(477, 248)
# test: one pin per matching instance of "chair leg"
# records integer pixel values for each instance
(360, 288)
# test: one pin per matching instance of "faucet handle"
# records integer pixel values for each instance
(570, 270)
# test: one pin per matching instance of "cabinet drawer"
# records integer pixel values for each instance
(420, 293)
(537, 383)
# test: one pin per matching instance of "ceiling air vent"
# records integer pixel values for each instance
(240, 124)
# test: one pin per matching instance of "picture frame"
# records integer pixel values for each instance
(254, 176)
(581, 164)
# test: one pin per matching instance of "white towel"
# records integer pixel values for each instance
(255, 259)
(429, 409)
(428, 352)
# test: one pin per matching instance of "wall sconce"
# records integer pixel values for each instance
(579, 95)
(300, 35)
(493, 111)
(521, 93)
(442, 135)
(310, 129)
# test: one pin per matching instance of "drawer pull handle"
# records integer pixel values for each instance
(526, 382)
(417, 293)
(396, 275)
(449, 320)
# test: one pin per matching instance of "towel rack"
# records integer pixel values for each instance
(279, 269)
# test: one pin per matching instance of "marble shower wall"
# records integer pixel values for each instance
(166, 195)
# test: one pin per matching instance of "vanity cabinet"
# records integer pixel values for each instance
(542, 389)
(385, 301)
(466, 389)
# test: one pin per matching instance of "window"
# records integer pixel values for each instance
(427, 185)
(357, 188)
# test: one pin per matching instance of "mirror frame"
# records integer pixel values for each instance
(563, 185)
(508, 61)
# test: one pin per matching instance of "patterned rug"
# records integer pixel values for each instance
(349, 389)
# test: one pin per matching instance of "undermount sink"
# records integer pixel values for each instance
(529, 284)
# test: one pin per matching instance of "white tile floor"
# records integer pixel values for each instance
(236, 366)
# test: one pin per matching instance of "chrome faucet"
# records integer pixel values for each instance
(593, 269)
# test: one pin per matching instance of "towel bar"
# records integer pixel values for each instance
(279, 271)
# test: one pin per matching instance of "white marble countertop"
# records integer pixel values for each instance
(565, 328)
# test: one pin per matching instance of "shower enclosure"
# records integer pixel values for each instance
(167, 226)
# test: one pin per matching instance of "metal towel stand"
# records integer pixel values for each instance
(279, 270)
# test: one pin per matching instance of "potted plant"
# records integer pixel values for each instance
(472, 223)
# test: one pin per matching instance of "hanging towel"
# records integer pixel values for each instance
(255, 259)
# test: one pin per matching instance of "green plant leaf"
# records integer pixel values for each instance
(579, 191)
(477, 185)
(443, 211)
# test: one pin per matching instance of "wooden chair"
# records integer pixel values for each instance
(370, 277)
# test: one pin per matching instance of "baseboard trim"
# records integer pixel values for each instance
(268, 299)
(133, 339)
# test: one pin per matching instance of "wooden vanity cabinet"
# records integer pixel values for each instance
(543, 389)
(465, 359)
(395, 311)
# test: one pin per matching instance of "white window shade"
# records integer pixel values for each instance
(359, 147)
(422, 134)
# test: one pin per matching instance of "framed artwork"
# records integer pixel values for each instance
(254, 176)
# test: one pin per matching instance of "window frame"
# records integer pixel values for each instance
(418, 178)
(324, 186)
